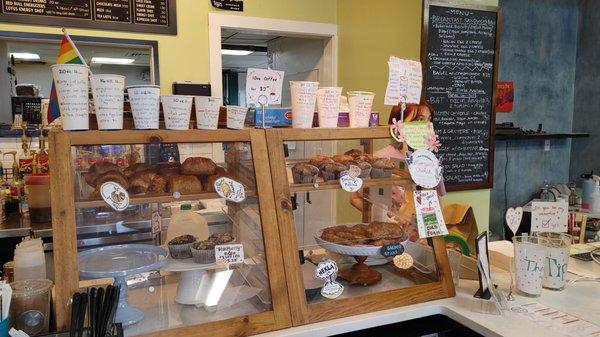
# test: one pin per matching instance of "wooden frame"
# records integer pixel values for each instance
(170, 29)
(65, 236)
(301, 311)
(492, 130)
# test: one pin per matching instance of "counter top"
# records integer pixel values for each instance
(579, 300)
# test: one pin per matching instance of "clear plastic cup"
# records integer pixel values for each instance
(328, 105)
(361, 103)
(145, 106)
(71, 83)
(557, 259)
(177, 110)
(107, 91)
(529, 260)
(304, 98)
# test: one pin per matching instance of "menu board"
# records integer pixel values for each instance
(460, 58)
(152, 16)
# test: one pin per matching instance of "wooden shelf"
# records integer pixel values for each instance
(541, 136)
(137, 200)
(335, 185)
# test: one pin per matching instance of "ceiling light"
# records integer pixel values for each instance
(25, 56)
(111, 60)
(236, 52)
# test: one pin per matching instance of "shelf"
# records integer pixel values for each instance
(335, 185)
(541, 136)
(136, 200)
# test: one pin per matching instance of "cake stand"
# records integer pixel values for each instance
(119, 262)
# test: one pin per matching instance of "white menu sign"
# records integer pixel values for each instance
(266, 83)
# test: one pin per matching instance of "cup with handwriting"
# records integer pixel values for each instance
(71, 83)
(207, 112)
(530, 258)
(236, 115)
(145, 106)
(557, 259)
(177, 110)
(361, 103)
(107, 91)
(304, 98)
(328, 106)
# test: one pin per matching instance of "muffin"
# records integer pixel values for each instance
(342, 159)
(304, 173)
(382, 168)
(320, 161)
(179, 247)
(221, 238)
(203, 252)
(353, 153)
(365, 168)
(332, 171)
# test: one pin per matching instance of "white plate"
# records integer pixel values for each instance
(358, 250)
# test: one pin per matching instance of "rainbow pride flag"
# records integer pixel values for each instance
(67, 53)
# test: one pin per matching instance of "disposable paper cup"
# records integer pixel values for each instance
(530, 257)
(360, 103)
(177, 110)
(328, 105)
(71, 83)
(557, 259)
(236, 115)
(207, 112)
(107, 91)
(145, 106)
(304, 97)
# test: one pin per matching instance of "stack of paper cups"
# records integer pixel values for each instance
(304, 97)
(145, 106)
(360, 103)
(207, 112)
(328, 105)
(236, 115)
(71, 83)
(107, 91)
(177, 110)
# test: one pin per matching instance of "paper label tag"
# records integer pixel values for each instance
(228, 254)
(327, 270)
(263, 83)
(354, 171)
(392, 250)
(156, 222)
(429, 214)
(424, 169)
(549, 216)
(404, 81)
(350, 184)
(115, 195)
(420, 135)
(513, 218)
(230, 189)
(332, 290)
(403, 261)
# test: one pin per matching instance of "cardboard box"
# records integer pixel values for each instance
(274, 117)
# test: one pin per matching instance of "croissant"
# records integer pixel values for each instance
(147, 182)
(97, 169)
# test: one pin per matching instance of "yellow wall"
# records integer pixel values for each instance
(370, 31)
(185, 56)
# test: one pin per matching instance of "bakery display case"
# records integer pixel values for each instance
(193, 242)
(345, 211)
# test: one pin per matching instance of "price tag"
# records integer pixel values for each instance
(327, 270)
(228, 254)
(115, 195)
(230, 189)
(392, 250)
(354, 171)
(420, 135)
(430, 220)
(350, 184)
(263, 83)
(424, 169)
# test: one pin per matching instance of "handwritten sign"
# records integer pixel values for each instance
(549, 216)
(424, 169)
(327, 270)
(230, 189)
(236, 116)
(430, 220)
(228, 254)
(513, 218)
(350, 184)
(392, 250)
(263, 83)
(405, 81)
(115, 195)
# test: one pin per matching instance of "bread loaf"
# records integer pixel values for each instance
(198, 166)
(185, 184)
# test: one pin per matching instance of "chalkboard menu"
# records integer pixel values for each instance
(149, 16)
(460, 54)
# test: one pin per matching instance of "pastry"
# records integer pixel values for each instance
(342, 158)
(221, 238)
(332, 171)
(203, 252)
(115, 176)
(209, 185)
(135, 168)
(365, 168)
(382, 168)
(353, 153)
(147, 182)
(185, 184)
(179, 247)
(320, 161)
(96, 170)
(375, 234)
(198, 166)
(168, 169)
(304, 173)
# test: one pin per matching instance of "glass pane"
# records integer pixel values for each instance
(350, 228)
(174, 207)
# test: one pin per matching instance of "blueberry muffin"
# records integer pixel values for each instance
(304, 173)
(203, 252)
(179, 247)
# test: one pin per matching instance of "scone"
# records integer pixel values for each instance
(198, 166)
(382, 168)
(304, 173)
(342, 158)
(185, 184)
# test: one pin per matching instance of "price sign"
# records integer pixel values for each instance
(115, 195)
(230, 189)
(228, 254)
(263, 83)
(327, 270)
(392, 250)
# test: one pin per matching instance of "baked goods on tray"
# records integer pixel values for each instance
(199, 166)
(376, 233)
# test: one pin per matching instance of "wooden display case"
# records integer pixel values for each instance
(262, 237)
(396, 288)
